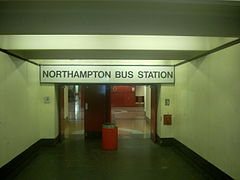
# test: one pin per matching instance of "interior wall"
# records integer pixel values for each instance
(123, 96)
(207, 114)
(24, 117)
(48, 112)
(165, 92)
(19, 122)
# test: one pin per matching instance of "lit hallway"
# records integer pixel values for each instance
(135, 159)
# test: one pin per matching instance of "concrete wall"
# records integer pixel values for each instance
(24, 118)
(207, 118)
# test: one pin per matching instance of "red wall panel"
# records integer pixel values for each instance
(123, 96)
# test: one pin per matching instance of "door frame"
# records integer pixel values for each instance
(154, 108)
(61, 112)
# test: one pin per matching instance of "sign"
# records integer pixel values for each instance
(107, 74)
(46, 99)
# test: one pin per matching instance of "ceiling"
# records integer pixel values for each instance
(151, 19)
(142, 17)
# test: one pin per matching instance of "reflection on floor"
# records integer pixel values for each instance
(74, 124)
(73, 127)
(131, 121)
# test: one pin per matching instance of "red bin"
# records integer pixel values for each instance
(109, 136)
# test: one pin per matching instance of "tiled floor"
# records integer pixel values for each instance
(73, 127)
(135, 159)
(131, 120)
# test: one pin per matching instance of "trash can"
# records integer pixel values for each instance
(109, 136)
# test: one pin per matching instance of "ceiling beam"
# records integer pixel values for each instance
(110, 42)
(232, 43)
(17, 56)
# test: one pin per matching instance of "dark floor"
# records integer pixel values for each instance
(76, 159)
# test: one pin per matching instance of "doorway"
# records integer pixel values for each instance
(96, 109)
(130, 110)
(86, 107)
(72, 112)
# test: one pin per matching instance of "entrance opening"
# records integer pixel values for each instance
(73, 111)
(131, 110)
(85, 108)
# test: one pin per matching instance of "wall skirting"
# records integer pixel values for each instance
(165, 141)
(194, 159)
(12, 168)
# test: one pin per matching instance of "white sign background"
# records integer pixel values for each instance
(115, 74)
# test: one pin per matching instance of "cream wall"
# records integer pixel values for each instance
(165, 92)
(48, 112)
(207, 117)
(24, 118)
(18, 107)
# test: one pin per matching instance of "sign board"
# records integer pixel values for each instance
(105, 74)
